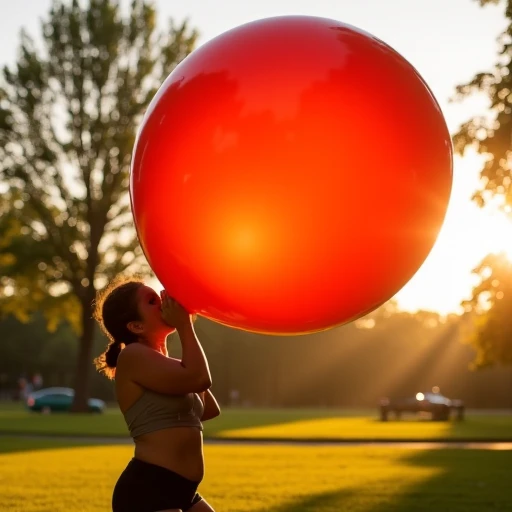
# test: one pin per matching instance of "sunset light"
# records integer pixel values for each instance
(469, 233)
(243, 265)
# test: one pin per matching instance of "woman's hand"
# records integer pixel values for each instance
(173, 313)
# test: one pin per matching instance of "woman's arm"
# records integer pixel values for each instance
(211, 407)
(155, 371)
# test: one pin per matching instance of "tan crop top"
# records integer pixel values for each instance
(155, 411)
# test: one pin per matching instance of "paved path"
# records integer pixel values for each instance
(420, 445)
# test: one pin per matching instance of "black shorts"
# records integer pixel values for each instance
(144, 487)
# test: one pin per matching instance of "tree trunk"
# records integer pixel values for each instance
(84, 362)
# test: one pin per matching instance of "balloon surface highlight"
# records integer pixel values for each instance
(290, 175)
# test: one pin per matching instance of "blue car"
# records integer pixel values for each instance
(59, 400)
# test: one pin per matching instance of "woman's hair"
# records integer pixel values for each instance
(115, 306)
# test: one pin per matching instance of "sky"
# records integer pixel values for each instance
(448, 41)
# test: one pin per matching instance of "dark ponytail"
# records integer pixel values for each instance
(114, 308)
(112, 353)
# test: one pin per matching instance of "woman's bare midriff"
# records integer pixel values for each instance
(179, 449)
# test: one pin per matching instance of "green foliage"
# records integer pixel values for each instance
(31, 261)
(403, 353)
(490, 135)
(491, 305)
(68, 118)
(27, 347)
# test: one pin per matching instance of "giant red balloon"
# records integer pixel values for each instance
(290, 175)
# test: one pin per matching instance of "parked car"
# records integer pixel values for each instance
(59, 400)
(438, 406)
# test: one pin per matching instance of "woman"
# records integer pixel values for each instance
(163, 400)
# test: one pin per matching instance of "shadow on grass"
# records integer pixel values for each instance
(464, 481)
(334, 501)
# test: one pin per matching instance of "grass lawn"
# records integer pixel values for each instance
(272, 423)
(54, 475)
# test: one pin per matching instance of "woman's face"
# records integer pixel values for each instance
(150, 311)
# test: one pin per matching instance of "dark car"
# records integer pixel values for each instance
(59, 400)
(436, 405)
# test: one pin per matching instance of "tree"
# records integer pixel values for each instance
(491, 136)
(68, 118)
(23, 261)
(491, 306)
(28, 347)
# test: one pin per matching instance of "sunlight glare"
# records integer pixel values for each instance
(469, 233)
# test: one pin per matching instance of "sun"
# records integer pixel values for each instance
(468, 235)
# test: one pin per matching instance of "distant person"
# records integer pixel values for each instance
(163, 400)
(234, 396)
(37, 381)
